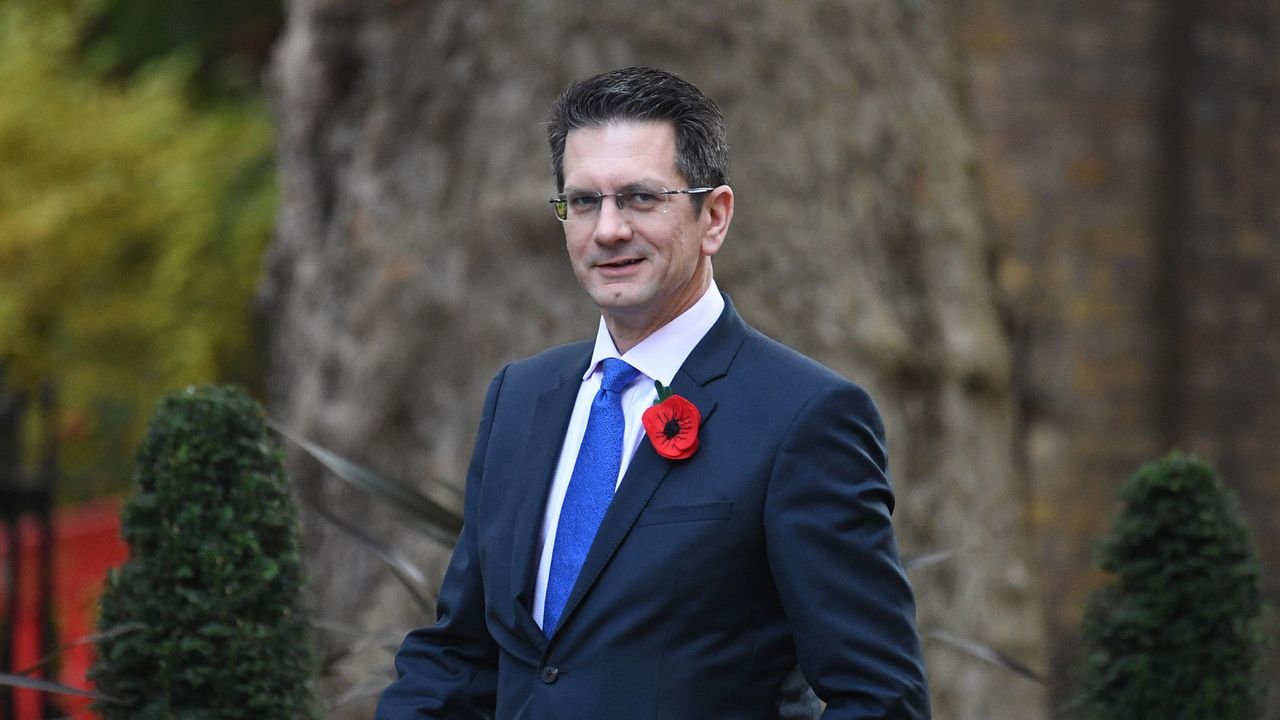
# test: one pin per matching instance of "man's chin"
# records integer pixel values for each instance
(622, 304)
(618, 296)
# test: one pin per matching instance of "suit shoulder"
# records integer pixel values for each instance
(551, 364)
(785, 378)
(799, 370)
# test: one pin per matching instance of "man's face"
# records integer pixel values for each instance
(641, 269)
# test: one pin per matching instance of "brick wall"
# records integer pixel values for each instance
(1130, 156)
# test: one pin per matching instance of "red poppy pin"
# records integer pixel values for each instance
(672, 424)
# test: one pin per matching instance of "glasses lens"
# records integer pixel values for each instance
(634, 203)
(583, 206)
(643, 201)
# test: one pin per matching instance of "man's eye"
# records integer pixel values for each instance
(583, 202)
(642, 200)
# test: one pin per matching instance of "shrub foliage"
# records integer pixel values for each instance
(1175, 634)
(214, 573)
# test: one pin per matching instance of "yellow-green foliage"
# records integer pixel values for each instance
(132, 228)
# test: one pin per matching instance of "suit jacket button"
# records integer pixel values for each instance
(549, 674)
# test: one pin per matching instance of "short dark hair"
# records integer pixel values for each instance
(643, 94)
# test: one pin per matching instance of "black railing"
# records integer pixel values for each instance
(26, 501)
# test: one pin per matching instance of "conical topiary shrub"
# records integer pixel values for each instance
(214, 573)
(1175, 635)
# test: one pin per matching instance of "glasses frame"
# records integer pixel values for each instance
(560, 204)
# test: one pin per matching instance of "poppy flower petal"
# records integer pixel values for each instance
(672, 426)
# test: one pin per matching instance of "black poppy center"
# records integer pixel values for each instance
(671, 429)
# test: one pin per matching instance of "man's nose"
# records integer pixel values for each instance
(612, 224)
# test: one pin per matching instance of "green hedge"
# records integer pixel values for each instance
(1175, 634)
(214, 573)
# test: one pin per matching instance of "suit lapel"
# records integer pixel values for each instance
(709, 360)
(546, 436)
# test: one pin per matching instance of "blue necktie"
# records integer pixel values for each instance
(595, 475)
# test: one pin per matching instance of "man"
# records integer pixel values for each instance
(625, 560)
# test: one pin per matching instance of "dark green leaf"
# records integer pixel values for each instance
(985, 653)
(21, 681)
(441, 523)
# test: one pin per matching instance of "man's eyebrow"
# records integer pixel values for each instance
(634, 185)
(644, 184)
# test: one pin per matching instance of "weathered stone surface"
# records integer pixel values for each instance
(416, 254)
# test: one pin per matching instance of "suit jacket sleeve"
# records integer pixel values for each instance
(449, 670)
(834, 559)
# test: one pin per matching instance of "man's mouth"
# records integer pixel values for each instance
(618, 264)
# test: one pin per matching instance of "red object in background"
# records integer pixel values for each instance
(86, 543)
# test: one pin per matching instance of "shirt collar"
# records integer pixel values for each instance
(660, 355)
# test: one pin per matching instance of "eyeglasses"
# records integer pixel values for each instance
(585, 206)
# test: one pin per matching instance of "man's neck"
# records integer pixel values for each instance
(629, 332)
(660, 355)
(627, 336)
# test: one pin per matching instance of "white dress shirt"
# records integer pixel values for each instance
(657, 357)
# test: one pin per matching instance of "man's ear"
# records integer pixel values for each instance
(717, 213)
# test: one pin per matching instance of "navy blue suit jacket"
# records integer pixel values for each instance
(710, 578)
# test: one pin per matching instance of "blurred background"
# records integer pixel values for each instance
(1044, 234)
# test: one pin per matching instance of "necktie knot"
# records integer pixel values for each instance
(617, 375)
